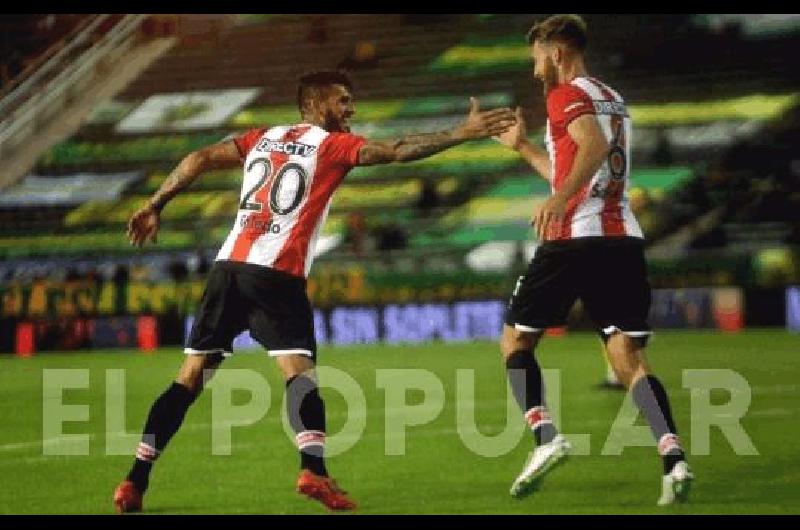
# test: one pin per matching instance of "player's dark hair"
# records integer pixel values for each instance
(320, 79)
(569, 29)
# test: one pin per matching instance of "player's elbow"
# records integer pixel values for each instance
(398, 152)
(401, 156)
(405, 150)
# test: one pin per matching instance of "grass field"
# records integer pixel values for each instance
(437, 473)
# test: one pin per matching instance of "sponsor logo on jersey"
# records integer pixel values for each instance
(289, 148)
(610, 107)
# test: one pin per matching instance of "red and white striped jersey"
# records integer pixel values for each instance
(601, 207)
(290, 174)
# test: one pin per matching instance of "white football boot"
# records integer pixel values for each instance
(541, 461)
(675, 485)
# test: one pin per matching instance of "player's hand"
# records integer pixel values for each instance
(483, 124)
(548, 220)
(515, 135)
(143, 226)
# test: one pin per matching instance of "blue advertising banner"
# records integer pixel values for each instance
(708, 308)
(396, 324)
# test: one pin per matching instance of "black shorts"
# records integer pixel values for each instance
(273, 305)
(609, 275)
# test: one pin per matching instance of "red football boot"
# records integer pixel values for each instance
(325, 490)
(127, 498)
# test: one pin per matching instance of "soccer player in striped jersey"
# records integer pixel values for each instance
(592, 248)
(258, 280)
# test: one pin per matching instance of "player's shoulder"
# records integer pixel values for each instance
(336, 139)
(255, 131)
(342, 134)
(597, 88)
(287, 126)
(566, 89)
(566, 93)
(567, 100)
(299, 133)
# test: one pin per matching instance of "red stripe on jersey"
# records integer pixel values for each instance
(292, 257)
(564, 155)
(259, 222)
(611, 217)
(566, 150)
(572, 206)
(564, 230)
(245, 142)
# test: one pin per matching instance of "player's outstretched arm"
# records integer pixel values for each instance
(478, 124)
(516, 138)
(143, 225)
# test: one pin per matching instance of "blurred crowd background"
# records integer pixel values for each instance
(97, 109)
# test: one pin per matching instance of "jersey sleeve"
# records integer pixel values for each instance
(246, 141)
(342, 149)
(566, 103)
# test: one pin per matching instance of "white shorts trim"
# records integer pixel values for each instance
(612, 329)
(192, 351)
(295, 351)
(520, 327)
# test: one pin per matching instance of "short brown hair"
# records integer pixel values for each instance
(318, 79)
(569, 29)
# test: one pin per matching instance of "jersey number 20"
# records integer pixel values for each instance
(286, 189)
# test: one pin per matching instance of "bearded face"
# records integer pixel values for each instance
(544, 69)
(332, 107)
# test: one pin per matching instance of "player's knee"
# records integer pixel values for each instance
(192, 381)
(624, 374)
(196, 370)
(620, 343)
(295, 365)
(626, 361)
(517, 341)
(638, 372)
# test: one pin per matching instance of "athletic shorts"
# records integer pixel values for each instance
(272, 304)
(609, 275)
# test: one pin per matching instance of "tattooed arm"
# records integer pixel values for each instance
(143, 225)
(415, 146)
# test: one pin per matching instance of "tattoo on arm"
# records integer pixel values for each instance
(408, 148)
(180, 178)
(221, 155)
(416, 146)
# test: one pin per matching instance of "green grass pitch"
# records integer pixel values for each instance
(437, 473)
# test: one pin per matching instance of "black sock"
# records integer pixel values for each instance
(525, 378)
(166, 416)
(306, 412)
(651, 398)
(140, 474)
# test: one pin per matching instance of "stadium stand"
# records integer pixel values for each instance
(416, 74)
